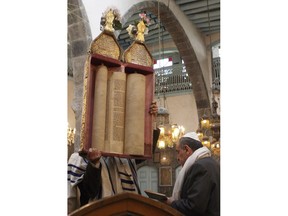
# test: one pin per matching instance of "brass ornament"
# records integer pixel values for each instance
(107, 45)
(140, 33)
(109, 21)
(138, 53)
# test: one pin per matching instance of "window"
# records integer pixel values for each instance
(166, 62)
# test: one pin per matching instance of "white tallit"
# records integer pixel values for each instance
(199, 153)
(106, 172)
(117, 176)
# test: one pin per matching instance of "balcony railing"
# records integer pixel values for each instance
(172, 79)
(216, 75)
(175, 79)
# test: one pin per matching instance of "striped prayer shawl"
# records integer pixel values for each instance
(108, 188)
(76, 169)
(127, 175)
(117, 175)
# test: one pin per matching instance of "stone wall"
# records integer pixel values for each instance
(79, 39)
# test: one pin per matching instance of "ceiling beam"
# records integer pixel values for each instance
(198, 4)
(203, 9)
(204, 15)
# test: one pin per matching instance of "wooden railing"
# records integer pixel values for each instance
(126, 204)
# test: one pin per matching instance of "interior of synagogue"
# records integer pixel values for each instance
(49, 53)
(126, 59)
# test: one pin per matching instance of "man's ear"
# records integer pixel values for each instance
(188, 150)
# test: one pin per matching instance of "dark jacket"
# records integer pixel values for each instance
(200, 193)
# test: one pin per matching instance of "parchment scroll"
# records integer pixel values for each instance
(114, 139)
(134, 114)
(99, 113)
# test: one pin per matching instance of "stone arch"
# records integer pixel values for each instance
(184, 44)
(79, 38)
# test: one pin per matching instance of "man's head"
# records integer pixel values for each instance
(186, 146)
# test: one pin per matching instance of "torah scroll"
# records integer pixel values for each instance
(135, 114)
(99, 113)
(118, 90)
(114, 135)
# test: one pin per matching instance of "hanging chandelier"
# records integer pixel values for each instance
(169, 133)
(209, 131)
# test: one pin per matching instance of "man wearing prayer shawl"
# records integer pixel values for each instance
(197, 188)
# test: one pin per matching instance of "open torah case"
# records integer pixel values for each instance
(117, 93)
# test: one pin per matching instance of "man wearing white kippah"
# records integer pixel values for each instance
(197, 188)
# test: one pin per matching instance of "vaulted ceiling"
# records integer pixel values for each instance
(204, 14)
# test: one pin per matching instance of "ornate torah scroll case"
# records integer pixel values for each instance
(118, 91)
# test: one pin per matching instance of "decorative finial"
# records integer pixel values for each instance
(110, 20)
(140, 28)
